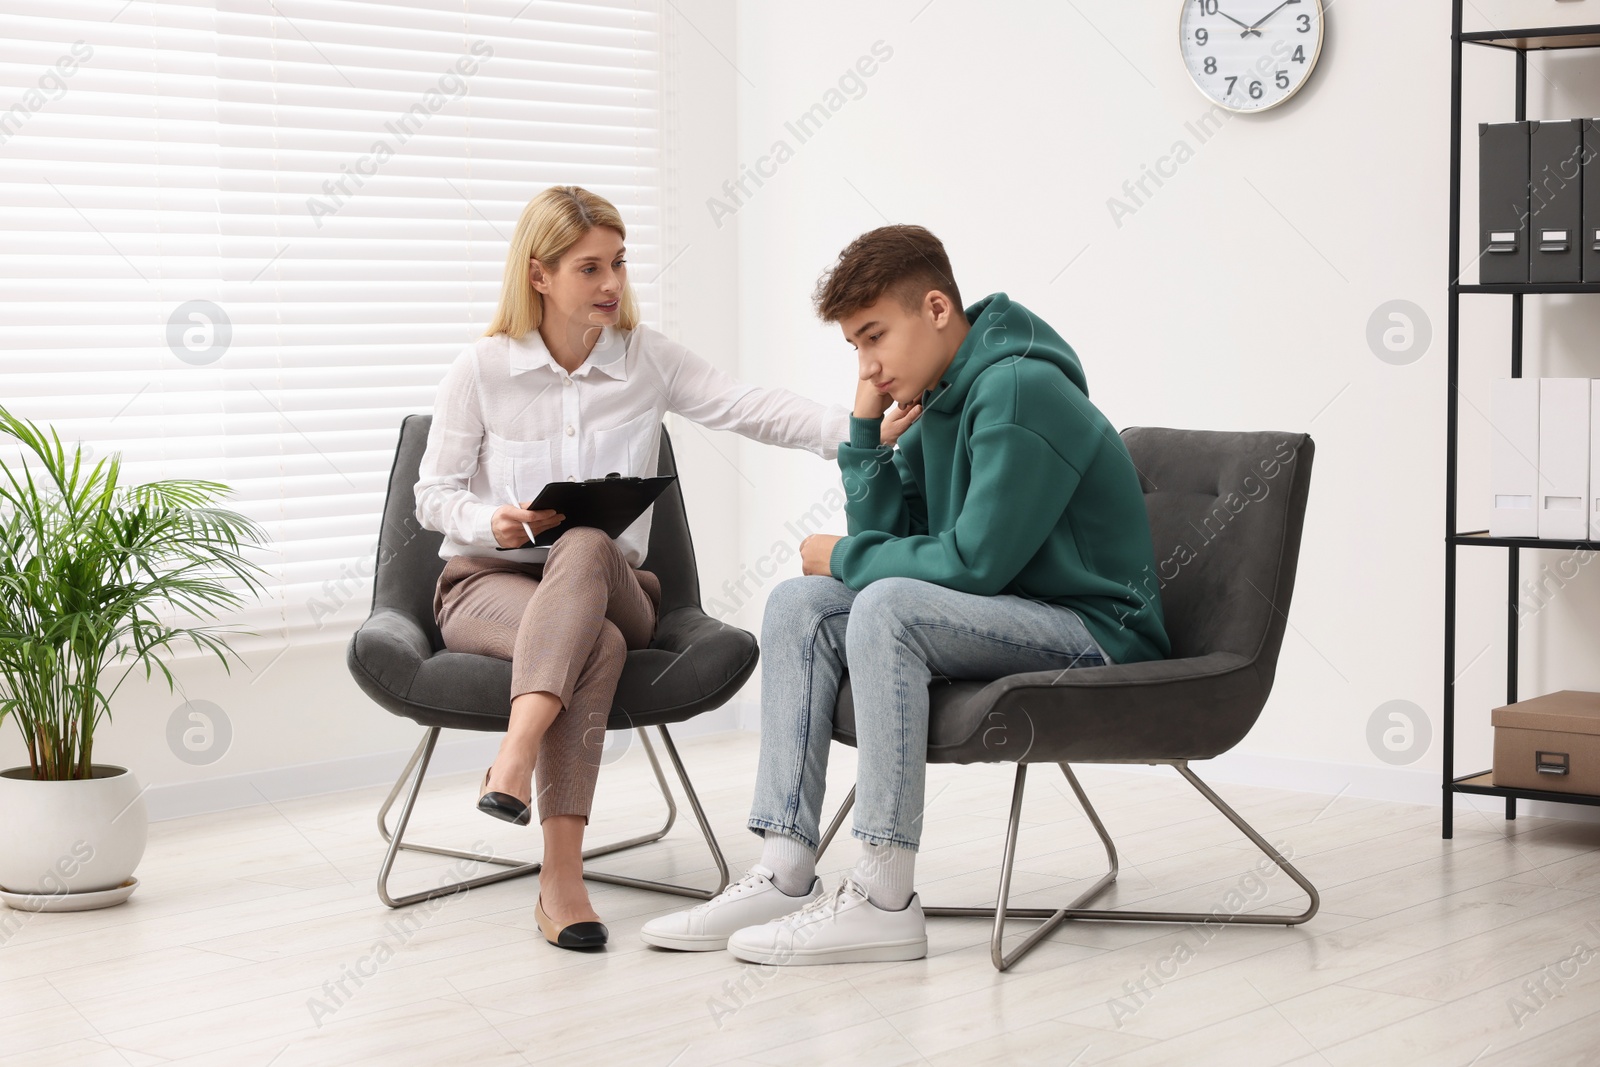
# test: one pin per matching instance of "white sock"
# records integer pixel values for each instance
(886, 872)
(794, 866)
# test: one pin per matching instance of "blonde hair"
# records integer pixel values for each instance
(551, 223)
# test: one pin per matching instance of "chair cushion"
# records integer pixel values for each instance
(1159, 709)
(391, 660)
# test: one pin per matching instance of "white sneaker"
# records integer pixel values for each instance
(705, 927)
(842, 926)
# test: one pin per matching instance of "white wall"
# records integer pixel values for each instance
(1236, 297)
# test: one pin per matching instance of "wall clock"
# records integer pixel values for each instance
(1250, 55)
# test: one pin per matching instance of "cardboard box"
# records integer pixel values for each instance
(1550, 742)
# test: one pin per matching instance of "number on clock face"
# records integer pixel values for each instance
(1249, 55)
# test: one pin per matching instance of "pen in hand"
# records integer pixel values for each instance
(512, 500)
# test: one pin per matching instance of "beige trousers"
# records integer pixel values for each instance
(566, 625)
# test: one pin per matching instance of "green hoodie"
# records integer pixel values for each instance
(1009, 482)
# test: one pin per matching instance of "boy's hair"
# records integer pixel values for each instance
(902, 261)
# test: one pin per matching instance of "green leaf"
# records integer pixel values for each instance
(94, 574)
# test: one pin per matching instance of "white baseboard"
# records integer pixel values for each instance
(456, 753)
(459, 752)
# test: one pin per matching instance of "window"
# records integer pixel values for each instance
(242, 239)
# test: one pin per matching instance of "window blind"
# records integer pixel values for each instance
(242, 239)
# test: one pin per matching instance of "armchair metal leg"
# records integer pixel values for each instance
(1076, 910)
(417, 768)
(700, 818)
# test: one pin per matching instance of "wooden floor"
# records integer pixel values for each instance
(256, 938)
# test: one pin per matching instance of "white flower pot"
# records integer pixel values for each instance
(82, 836)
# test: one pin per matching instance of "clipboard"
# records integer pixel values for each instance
(611, 503)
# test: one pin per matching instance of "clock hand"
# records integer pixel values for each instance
(1230, 18)
(1267, 16)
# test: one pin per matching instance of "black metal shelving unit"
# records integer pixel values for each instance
(1520, 42)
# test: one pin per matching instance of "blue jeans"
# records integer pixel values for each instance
(892, 637)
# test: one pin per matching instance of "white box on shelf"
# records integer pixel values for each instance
(1564, 458)
(1514, 457)
(1594, 459)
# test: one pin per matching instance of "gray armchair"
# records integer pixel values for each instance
(1226, 512)
(694, 664)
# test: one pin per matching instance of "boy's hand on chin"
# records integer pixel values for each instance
(815, 552)
(898, 422)
(871, 404)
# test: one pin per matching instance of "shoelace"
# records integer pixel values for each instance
(828, 903)
(749, 881)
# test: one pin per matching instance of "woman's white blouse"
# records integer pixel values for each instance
(508, 420)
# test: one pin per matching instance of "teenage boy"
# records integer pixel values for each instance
(1008, 533)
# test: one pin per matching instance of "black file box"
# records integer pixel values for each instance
(1555, 186)
(1503, 202)
(1589, 237)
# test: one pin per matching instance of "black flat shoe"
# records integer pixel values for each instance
(502, 805)
(572, 935)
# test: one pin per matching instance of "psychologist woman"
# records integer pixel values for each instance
(567, 384)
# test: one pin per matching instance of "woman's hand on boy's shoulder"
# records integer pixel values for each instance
(816, 553)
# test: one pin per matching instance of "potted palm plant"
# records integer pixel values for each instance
(97, 579)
